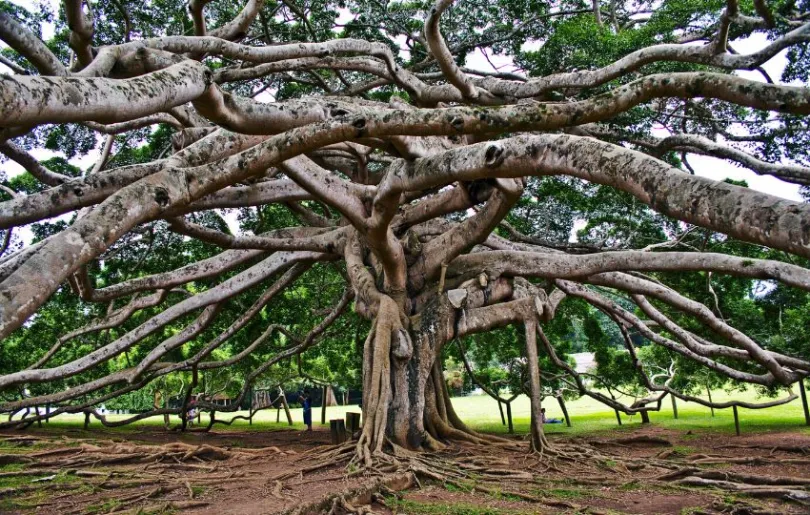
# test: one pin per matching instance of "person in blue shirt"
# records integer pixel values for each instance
(306, 403)
(549, 420)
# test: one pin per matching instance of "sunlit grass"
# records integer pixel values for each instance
(481, 413)
(588, 415)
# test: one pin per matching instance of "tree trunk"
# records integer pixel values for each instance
(500, 408)
(377, 382)
(538, 441)
(166, 417)
(736, 420)
(413, 378)
(804, 402)
(329, 398)
(561, 401)
(405, 398)
(674, 406)
(324, 392)
(645, 417)
(285, 406)
(509, 417)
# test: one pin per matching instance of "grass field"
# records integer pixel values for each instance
(587, 415)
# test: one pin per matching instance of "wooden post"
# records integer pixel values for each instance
(337, 428)
(804, 402)
(564, 410)
(286, 407)
(500, 408)
(352, 422)
(323, 405)
(674, 406)
(618, 417)
(509, 417)
(736, 421)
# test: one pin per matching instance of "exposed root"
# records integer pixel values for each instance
(702, 459)
(747, 479)
(800, 449)
(459, 481)
(327, 457)
(87, 455)
(278, 488)
(641, 439)
(168, 506)
(774, 492)
(155, 483)
(358, 499)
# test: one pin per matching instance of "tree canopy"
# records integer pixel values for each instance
(338, 191)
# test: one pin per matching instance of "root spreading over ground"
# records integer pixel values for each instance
(650, 470)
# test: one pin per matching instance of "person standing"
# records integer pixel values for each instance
(191, 414)
(306, 403)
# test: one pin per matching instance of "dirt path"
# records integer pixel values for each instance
(650, 470)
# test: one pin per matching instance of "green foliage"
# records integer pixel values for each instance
(541, 43)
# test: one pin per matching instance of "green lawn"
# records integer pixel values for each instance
(587, 415)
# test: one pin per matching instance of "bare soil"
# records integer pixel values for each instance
(649, 470)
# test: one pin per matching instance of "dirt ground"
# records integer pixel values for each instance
(649, 470)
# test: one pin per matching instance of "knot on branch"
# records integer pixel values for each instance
(494, 156)
(162, 196)
(360, 125)
(457, 122)
(208, 76)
